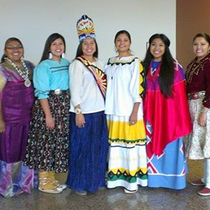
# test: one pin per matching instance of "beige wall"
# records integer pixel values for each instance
(193, 16)
(33, 21)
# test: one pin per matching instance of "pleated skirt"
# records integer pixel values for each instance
(88, 153)
(48, 149)
(127, 161)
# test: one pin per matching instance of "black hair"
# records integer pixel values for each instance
(204, 35)
(122, 32)
(7, 42)
(80, 52)
(50, 40)
(166, 76)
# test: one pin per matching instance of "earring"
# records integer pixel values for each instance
(50, 55)
(63, 55)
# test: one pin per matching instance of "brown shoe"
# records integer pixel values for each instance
(45, 184)
(55, 182)
(197, 183)
(204, 192)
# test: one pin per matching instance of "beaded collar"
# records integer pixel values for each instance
(194, 67)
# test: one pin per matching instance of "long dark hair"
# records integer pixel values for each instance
(7, 42)
(166, 76)
(80, 52)
(50, 40)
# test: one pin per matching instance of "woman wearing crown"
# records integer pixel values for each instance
(88, 136)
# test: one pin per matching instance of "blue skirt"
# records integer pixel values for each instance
(168, 170)
(88, 153)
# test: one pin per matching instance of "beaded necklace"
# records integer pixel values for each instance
(194, 67)
(22, 72)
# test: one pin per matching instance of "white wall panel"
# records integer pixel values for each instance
(34, 20)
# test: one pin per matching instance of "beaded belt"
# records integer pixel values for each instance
(59, 92)
(197, 95)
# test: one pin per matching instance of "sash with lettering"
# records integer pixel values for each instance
(98, 74)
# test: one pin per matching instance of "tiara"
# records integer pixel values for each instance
(85, 28)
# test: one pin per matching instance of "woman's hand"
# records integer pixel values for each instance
(2, 126)
(50, 122)
(133, 118)
(202, 119)
(80, 120)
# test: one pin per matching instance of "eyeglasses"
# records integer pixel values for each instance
(14, 48)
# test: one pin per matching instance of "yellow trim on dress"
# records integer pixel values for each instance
(125, 131)
(141, 78)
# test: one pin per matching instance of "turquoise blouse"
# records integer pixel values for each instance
(51, 75)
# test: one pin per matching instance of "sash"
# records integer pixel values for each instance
(98, 74)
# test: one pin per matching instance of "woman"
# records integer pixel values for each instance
(88, 136)
(166, 116)
(48, 145)
(198, 88)
(127, 153)
(16, 101)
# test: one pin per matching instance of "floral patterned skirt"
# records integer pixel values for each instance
(198, 142)
(49, 149)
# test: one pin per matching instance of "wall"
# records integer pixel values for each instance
(193, 16)
(33, 21)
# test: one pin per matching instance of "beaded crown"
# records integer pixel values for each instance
(85, 28)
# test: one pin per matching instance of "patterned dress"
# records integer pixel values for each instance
(17, 101)
(127, 165)
(167, 121)
(48, 149)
